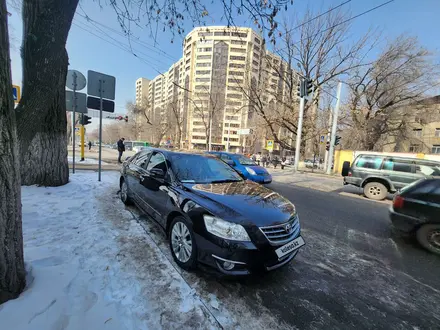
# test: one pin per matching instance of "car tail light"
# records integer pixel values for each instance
(398, 202)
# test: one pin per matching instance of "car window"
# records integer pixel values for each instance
(398, 165)
(246, 161)
(142, 159)
(371, 162)
(225, 157)
(426, 190)
(157, 161)
(200, 169)
(428, 169)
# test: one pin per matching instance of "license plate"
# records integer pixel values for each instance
(266, 180)
(290, 247)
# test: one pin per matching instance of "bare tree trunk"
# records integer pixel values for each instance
(41, 114)
(12, 272)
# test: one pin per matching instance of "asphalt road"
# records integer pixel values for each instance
(352, 273)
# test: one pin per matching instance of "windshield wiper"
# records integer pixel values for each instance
(225, 181)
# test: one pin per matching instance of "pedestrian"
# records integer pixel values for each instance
(90, 145)
(121, 149)
(264, 160)
(258, 158)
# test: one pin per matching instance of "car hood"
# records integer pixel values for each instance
(243, 202)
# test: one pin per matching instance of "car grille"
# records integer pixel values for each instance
(278, 234)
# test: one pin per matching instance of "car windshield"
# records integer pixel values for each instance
(245, 161)
(201, 169)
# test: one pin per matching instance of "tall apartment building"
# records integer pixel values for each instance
(142, 85)
(211, 85)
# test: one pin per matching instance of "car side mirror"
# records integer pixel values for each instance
(157, 173)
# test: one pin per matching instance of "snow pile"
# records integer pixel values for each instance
(85, 161)
(93, 267)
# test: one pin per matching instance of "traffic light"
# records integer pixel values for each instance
(301, 88)
(327, 146)
(308, 87)
(337, 139)
(85, 120)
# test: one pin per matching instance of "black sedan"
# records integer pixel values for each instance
(210, 213)
(416, 210)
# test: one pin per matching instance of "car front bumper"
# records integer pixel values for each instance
(402, 222)
(246, 257)
(261, 178)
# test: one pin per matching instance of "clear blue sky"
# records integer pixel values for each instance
(87, 52)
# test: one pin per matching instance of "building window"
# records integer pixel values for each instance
(238, 50)
(255, 70)
(415, 148)
(238, 42)
(256, 56)
(233, 103)
(234, 96)
(417, 132)
(236, 73)
(256, 48)
(203, 64)
(198, 123)
(233, 88)
(230, 139)
(205, 49)
(203, 71)
(255, 62)
(201, 87)
(236, 65)
(205, 34)
(221, 33)
(239, 34)
(437, 132)
(226, 131)
(237, 58)
(235, 80)
(199, 130)
(188, 60)
(203, 79)
(198, 137)
(436, 149)
(204, 57)
(256, 40)
(231, 117)
(232, 125)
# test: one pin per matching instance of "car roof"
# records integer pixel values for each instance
(401, 157)
(167, 153)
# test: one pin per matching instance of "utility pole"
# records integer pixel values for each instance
(328, 139)
(298, 133)
(210, 133)
(334, 128)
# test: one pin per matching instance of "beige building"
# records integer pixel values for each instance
(211, 87)
(142, 86)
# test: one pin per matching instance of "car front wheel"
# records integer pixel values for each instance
(375, 190)
(124, 194)
(182, 244)
(429, 237)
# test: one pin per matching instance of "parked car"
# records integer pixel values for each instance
(416, 210)
(379, 175)
(210, 214)
(246, 166)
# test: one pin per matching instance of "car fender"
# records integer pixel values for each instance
(381, 179)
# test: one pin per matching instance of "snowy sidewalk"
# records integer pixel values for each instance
(93, 267)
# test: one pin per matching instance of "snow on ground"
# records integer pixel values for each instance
(85, 161)
(91, 266)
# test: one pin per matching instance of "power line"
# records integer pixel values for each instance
(139, 42)
(345, 21)
(126, 49)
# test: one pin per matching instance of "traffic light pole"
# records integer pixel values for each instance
(298, 133)
(333, 132)
(100, 129)
(73, 122)
(82, 141)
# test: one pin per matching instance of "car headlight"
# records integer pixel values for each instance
(250, 171)
(225, 229)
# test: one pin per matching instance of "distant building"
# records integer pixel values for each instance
(142, 85)
(210, 88)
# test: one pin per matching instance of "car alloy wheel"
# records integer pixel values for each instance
(375, 190)
(181, 242)
(124, 194)
(434, 238)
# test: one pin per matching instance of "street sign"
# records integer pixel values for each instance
(75, 80)
(95, 80)
(269, 145)
(94, 103)
(16, 93)
(81, 102)
(322, 139)
(77, 129)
